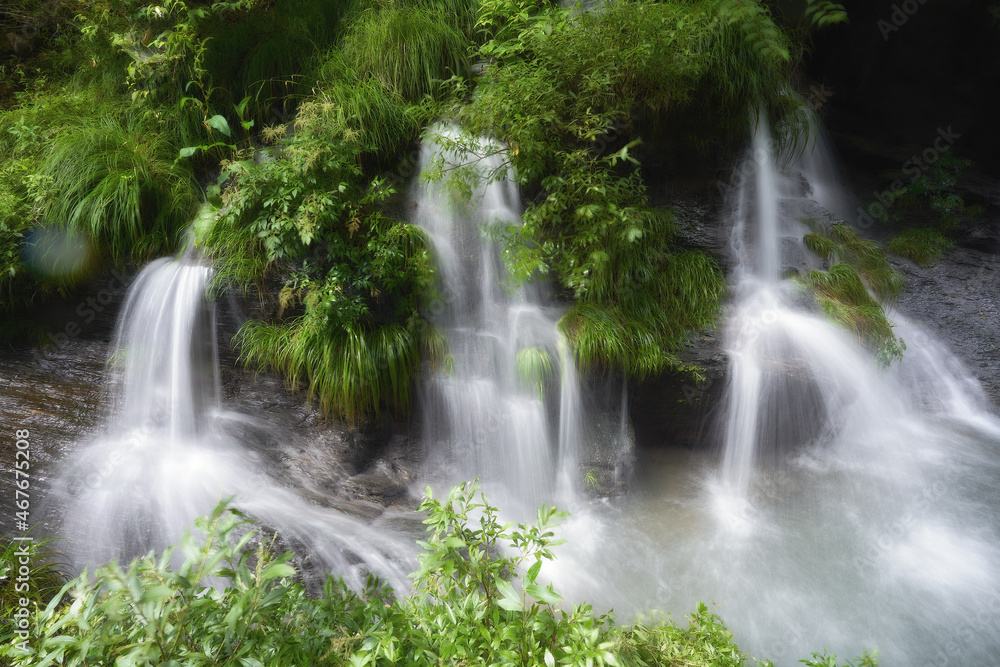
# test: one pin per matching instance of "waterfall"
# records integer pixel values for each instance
(489, 414)
(794, 377)
(851, 507)
(168, 451)
(768, 250)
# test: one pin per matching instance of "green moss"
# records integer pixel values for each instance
(924, 246)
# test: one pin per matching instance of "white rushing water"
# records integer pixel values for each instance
(165, 454)
(488, 414)
(849, 507)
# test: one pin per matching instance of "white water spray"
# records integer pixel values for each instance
(489, 415)
(850, 508)
(165, 454)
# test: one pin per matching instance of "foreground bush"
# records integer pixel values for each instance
(477, 599)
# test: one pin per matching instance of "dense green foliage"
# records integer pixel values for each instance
(294, 112)
(557, 85)
(857, 286)
(477, 598)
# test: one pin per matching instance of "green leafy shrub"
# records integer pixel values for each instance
(924, 246)
(557, 85)
(308, 215)
(477, 598)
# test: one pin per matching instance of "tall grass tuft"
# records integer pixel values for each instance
(923, 246)
(409, 50)
(844, 298)
(842, 244)
(377, 117)
(116, 180)
(641, 331)
(351, 370)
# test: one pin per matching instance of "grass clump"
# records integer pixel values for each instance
(375, 116)
(844, 298)
(923, 246)
(408, 50)
(115, 180)
(858, 286)
(842, 244)
(477, 598)
(351, 370)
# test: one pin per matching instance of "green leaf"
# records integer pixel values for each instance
(220, 123)
(544, 594)
(276, 571)
(510, 600)
(188, 151)
(533, 572)
(155, 594)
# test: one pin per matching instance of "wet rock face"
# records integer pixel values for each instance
(958, 301)
(677, 409)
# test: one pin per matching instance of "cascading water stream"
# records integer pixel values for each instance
(794, 377)
(167, 452)
(488, 415)
(851, 507)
